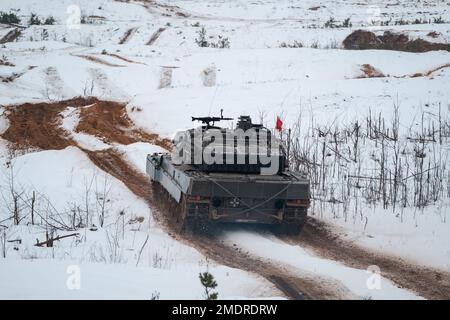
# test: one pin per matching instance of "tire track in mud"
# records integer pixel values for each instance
(428, 282)
(38, 126)
(97, 60)
(155, 36)
(123, 58)
(127, 35)
(54, 85)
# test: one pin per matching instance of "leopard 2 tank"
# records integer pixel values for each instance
(219, 175)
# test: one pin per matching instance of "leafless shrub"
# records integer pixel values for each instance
(370, 161)
(102, 198)
(12, 194)
(295, 44)
(315, 44)
(88, 88)
(3, 241)
(114, 252)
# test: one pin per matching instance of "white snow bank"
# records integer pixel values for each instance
(136, 153)
(49, 279)
(354, 279)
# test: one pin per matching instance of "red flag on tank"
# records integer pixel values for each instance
(279, 124)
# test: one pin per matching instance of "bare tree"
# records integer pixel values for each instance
(102, 198)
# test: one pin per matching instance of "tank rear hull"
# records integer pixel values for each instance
(231, 197)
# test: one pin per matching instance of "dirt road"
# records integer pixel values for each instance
(37, 126)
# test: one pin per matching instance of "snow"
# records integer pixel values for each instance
(422, 237)
(356, 280)
(135, 153)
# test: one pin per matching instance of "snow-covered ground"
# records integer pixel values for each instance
(165, 266)
(255, 76)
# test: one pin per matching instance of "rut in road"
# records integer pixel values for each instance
(428, 282)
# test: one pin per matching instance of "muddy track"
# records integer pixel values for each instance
(123, 58)
(11, 36)
(428, 282)
(155, 36)
(97, 60)
(127, 35)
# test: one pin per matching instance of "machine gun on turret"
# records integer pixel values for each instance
(208, 120)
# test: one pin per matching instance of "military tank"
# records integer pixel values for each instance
(220, 175)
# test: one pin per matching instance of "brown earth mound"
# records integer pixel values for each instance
(38, 125)
(362, 40)
(109, 121)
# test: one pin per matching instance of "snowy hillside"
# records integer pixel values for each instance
(89, 88)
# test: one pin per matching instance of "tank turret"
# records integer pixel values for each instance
(248, 148)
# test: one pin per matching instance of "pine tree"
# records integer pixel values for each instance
(209, 283)
(201, 40)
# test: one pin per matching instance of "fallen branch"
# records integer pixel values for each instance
(140, 251)
(50, 241)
